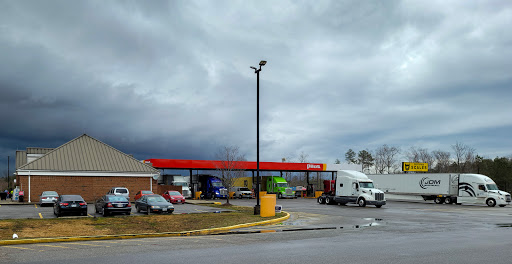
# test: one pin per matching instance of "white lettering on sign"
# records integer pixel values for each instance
(313, 166)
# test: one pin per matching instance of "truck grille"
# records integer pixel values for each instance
(289, 191)
(508, 199)
(223, 191)
(379, 196)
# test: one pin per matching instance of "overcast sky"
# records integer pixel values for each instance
(171, 79)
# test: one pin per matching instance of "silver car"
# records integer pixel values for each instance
(48, 197)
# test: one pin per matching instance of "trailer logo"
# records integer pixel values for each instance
(313, 166)
(426, 182)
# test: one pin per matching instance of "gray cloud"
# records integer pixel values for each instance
(172, 79)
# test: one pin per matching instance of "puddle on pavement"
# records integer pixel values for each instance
(504, 225)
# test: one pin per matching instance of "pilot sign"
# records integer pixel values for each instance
(413, 166)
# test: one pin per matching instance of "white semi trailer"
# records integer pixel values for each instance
(352, 187)
(443, 188)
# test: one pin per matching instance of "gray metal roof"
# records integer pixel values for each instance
(21, 158)
(38, 150)
(85, 153)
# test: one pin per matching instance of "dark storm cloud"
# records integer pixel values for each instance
(171, 79)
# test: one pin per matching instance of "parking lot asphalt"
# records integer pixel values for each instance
(34, 210)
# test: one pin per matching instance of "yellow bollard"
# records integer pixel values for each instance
(268, 205)
(231, 195)
(318, 194)
(262, 194)
(198, 195)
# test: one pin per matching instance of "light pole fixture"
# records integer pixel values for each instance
(257, 71)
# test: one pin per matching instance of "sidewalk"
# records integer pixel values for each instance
(9, 202)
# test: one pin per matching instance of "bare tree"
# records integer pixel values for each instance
(420, 155)
(442, 160)
(380, 160)
(230, 166)
(303, 158)
(464, 155)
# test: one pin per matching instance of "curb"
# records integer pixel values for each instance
(144, 235)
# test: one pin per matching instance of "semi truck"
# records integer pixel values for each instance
(443, 188)
(271, 184)
(351, 187)
(211, 187)
(178, 180)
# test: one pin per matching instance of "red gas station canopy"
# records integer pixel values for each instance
(245, 165)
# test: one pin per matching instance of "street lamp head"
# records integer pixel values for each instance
(254, 68)
(262, 63)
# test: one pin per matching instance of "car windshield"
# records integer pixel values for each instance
(174, 193)
(217, 184)
(180, 184)
(49, 193)
(366, 185)
(121, 191)
(282, 184)
(147, 192)
(244, 189)
(117, 199)
(156, 199)
(492, 187)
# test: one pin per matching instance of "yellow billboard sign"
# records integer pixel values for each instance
(414, 166)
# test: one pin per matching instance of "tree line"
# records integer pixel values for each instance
(385, 160)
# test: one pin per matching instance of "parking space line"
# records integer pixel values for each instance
(111, 242)
(84, 244)
(35, 205)
(51, 246)
(40, 216)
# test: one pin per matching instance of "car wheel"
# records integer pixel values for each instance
(361, 202)
(378, 206)
(502, 205)
(491, 202)
(148, 210)
(240, 196)
(137, 208)
(104, 212)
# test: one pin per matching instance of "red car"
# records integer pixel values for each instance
(174, 197)
(142, 193)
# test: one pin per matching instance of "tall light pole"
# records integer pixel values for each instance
(257, 71)
(8, 162)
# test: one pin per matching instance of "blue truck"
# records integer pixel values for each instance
(211, 187)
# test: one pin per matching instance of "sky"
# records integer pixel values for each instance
(172, 79)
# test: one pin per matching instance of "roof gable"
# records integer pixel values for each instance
(85, 153)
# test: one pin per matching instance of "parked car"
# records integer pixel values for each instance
(70, 204)
(48, 197)
(173, 197)
(109, 204)
(141, 193)
(242, 192)
(153, 203)
(120, 191)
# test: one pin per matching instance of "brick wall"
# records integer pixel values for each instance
(90, 188)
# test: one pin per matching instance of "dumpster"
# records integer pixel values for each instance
(3, 195)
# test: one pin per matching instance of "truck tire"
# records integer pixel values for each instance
(438, 200)
(279, 196)
(361, 202)
(327, 200)
(490, 202)
(448, 200)
(320, 200)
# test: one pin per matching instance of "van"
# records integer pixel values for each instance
(122, 191)
(242, 192)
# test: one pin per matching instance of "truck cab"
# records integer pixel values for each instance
(211, 187)
(480, 189)
(352, 187)
(180, 181)
(279, 186)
